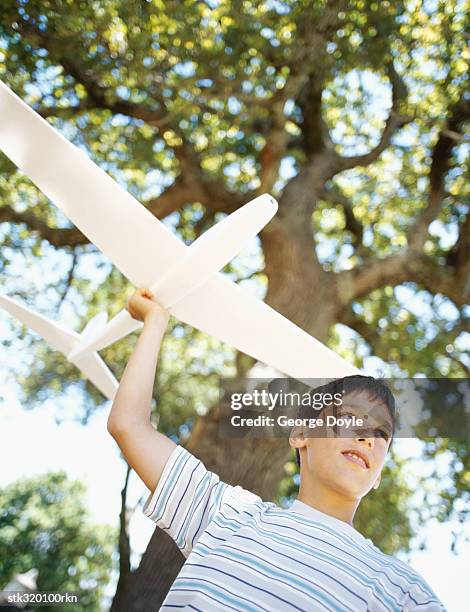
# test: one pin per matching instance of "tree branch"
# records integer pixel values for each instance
(98, 96)
(124, 546)
(172, 198)
(301, 84)
(381, 348)
(203, 187)
(459, 113)
(68, 281)
(407, 265)
(57, 236)
(370, 334)
(394, 121)
(64, 112)
(459, 363)
(277, 139)
(335, 195)
(459, 255)
(411, 264)
(195, 182)
(316, 138)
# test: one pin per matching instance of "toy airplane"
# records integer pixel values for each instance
(150, 255)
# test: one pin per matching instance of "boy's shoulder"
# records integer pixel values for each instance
(420, 592)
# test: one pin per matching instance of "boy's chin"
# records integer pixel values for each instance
(350, 487)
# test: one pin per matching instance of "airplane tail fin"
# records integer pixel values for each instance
(97, 372)
(65, 340)
(121, 325)
(94, 325)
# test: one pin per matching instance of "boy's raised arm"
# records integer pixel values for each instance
(145, 449)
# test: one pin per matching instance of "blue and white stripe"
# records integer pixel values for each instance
(246, 554)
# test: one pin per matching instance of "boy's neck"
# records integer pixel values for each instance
(329, 502)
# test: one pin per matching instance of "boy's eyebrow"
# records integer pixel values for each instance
(387, 421)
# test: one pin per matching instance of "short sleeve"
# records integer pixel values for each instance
(427, 606)
(422, 598)
(187, 498)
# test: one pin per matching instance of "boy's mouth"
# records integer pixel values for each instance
(356, 457)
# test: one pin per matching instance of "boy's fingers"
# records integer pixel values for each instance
(144, 292)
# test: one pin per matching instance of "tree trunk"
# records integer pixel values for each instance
(147, 586)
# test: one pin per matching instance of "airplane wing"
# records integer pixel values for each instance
(143, 248)
(137, 243)
(214, 249)
(58, 336)
(224, 310)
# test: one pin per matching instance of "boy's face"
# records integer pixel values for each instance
(351, 461)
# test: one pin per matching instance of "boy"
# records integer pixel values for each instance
(246, 554)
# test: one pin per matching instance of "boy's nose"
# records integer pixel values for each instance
(369, 441)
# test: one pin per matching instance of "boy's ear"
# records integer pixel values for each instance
(297, 438)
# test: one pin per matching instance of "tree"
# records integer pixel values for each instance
(44, 525)
(352, 114)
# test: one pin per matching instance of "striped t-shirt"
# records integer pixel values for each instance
(246, 554)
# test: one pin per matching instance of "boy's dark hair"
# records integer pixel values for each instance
(377, 390)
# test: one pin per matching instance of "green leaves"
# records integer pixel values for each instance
(44, 525)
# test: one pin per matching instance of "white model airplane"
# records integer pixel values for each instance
(185, 279)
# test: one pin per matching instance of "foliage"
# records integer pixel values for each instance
(44, 525)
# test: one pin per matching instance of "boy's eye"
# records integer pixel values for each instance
(380, 433)
(376, 432)
(349, 415)
(372, 433)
